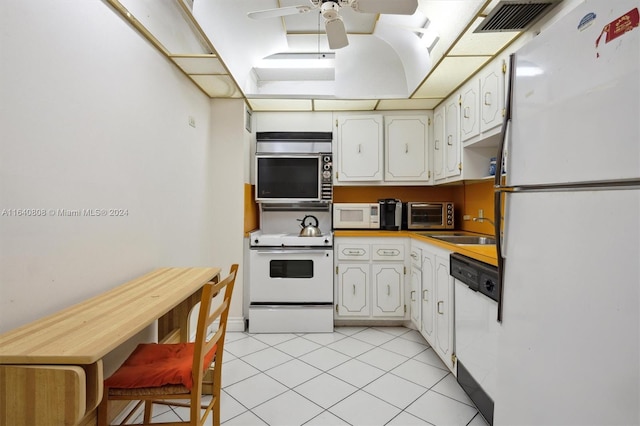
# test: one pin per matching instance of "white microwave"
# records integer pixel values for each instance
(356, 216)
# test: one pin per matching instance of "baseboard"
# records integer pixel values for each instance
(235, 324)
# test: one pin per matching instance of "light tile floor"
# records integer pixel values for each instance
(361, 376)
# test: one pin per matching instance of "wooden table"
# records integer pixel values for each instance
(51, 370)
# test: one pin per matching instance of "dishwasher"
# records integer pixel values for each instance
(476, 329)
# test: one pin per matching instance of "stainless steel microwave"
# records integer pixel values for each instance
(293, 167)
(430, 215)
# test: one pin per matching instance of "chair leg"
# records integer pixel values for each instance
(215, 411)
(103, 408)
(148, 409)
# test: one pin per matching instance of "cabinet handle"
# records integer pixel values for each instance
(449, 140)
(487, 98)
(359, 148)
(388, 290)
(414, 256)
(466, 112)
(440, 303)
(406, 148)
(354, 289)
(413, 292)
(425, 295)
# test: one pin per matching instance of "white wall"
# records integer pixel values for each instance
(93, 117)
(230, 149)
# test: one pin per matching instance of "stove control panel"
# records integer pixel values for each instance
(326, 177)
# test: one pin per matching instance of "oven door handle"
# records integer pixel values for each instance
(310, 252)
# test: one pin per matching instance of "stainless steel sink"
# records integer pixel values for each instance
(465, 239)
(441, 233)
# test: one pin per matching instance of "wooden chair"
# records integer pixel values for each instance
(138, 377)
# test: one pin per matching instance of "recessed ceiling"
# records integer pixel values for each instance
(383, 68)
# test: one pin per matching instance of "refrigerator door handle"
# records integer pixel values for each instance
(498, 207)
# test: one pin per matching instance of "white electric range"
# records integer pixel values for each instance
(291, 280)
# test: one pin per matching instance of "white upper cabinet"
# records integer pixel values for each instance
(492, 82)
(482, 102)
(453, 163)
(406, 148)
(470, 110)
(359, 148)
(381, 149)
(438, 143)
(482, 106)
(469, 123)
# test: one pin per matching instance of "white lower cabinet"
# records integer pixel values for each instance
(353, 290)
(416, 285)
(388, 280)
(369, 281)
(444, 312)
(436, 301)
(428, 295)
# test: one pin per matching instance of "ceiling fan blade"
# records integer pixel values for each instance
(278, 12)
(336, 33)
(392, 7)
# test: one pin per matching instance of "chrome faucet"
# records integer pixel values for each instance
(482, 219)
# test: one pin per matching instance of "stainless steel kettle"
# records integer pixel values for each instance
(310, 230)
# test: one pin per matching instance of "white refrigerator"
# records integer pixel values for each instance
(570, 324)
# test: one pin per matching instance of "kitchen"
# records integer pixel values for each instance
(69, 143)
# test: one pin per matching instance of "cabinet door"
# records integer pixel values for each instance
(388, 289)
(469, 110)
(428, 297)
(438, 143)
(453, 166)
(353, 287)
(406, 149)
(416, 286)
(359, 148)
(444, 311)
(492, 96)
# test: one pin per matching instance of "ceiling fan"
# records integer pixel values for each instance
(329, 9)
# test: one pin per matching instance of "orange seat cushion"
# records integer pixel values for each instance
(152, 365)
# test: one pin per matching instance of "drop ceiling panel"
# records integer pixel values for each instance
(280, 104)
(448, 75)
(200, 64)
(217, 86)
(166, 21)
(396, 104)
(344, 105)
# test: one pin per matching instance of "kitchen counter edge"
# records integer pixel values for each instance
(483, 253)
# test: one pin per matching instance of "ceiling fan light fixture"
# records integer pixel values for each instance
(336, 33)
(330, 10)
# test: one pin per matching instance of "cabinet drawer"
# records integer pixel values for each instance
(387, 252)
(353, 252)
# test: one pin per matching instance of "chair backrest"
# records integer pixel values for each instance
(211, 292)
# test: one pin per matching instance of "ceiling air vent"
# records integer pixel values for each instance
(516, 15)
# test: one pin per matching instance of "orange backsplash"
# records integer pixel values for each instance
(477, 195)
(251, 211)
(468, 198)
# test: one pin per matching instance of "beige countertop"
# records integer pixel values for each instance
(483, 253)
